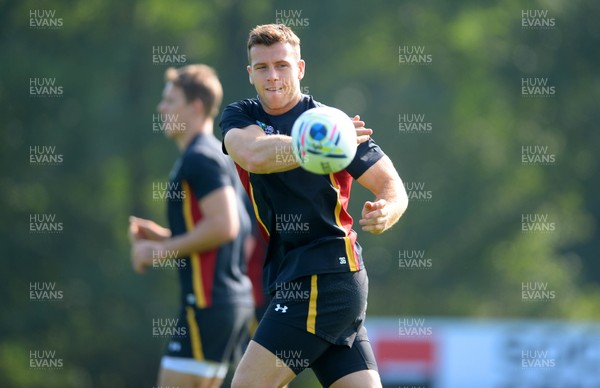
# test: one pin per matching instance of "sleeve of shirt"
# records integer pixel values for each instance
(367, 154)
(234, 116)
(204, 174)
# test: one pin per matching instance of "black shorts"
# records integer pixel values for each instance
(218, 334)
(316, 322)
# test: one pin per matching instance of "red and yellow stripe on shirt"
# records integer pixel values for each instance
(341, 183)
(245, 179)
(202, 264)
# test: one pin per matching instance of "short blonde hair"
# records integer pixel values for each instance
(198, 82)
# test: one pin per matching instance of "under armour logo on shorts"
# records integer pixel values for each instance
(282, 309)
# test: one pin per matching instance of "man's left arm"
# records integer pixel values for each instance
(391, 199)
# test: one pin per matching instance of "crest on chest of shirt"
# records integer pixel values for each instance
(269, 130)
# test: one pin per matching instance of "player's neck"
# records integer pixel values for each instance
(204, 127)
(284, 109)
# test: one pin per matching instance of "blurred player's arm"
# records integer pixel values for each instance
(219, 225)
(140, 228)
(391, 199)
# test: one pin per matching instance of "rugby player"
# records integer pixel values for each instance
(208, 224)
(313, 270)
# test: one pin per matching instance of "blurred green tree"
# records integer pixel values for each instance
(472, 194)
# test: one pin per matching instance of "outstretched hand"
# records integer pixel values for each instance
(140, 228)
(144, 253)
(375, 216)
(146, 239)
(362, 134)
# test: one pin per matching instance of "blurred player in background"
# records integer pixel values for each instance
(321, 325)
(208, 225)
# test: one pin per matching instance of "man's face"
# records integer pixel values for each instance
(176, 112)
(276, 71)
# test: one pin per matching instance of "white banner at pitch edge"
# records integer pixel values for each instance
(464, 353)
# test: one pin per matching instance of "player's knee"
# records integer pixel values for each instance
(242, 380)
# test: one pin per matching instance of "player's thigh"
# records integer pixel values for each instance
(170, 378)
(278, 352)
(360, 379)
(343, 366)
(223, 330)
(261, 369)
(213, 334)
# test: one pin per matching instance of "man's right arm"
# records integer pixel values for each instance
(259, 153)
